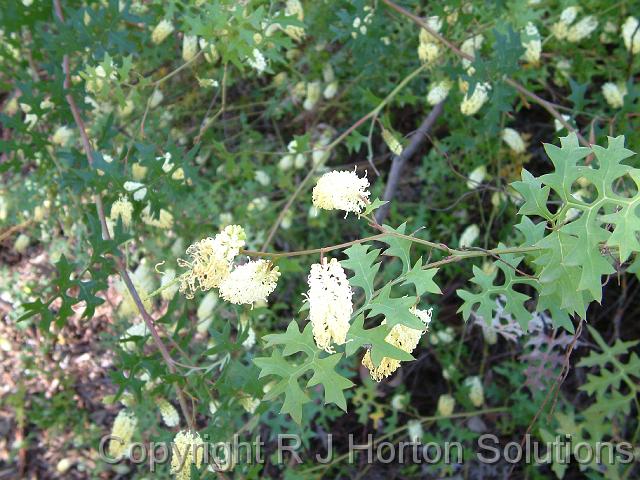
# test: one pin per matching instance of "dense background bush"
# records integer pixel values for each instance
(132, 129)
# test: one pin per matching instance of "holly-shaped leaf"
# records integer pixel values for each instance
(398, 247)
(361, 262)
(374, 339)
(291, 371)
(422, 279)
(395, 310)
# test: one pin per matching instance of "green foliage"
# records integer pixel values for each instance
(323, 367)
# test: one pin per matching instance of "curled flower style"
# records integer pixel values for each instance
(341, 190)
(249, 283)
(330, 306)
(400, 336)
(211, 260)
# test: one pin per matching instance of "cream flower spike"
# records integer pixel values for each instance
(341, 190)
(330, 306)
(188, 449)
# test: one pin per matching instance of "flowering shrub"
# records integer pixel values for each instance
(171, 170)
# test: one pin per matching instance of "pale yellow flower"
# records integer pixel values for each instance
(121, 433)
(211, 260)
(188, 449)
(402, 337)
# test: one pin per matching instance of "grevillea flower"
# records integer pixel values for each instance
(189, 47)
(62, 135)
(211, 260)
(469, 236)
(249, 283)
(392, 142)
(560, 29)
(476, 177)
(330, 306)
(512, 138)
(294, 8)
(446, 404)
(250, 404)
(400, 336)
(476, 391)
(314, 91)
(257, 61)
(582, 29)
(122, 208)
(469, 47)
(341, 190)
(631, 35)
(429, 48)
(532, 44)
(614, 94)
(188, 449)
(169, 413)
(161, 32)
(123, 427)
(438, 92)
(164, 219)
(472, 104)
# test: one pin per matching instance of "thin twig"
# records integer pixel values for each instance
(399, 161)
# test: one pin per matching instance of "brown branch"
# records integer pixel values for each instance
(548, 106)
(399, 161)
(148, 320)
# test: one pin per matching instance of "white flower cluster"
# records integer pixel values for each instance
(212, 266)
(169, 414)
(249, 283)
(360, 24)
(472, 104)
(614, 94)
(560, 29)
(438, 92)
(532, 44)
(189, 47)
(330, 304)
(470, 46)
(631, 34)
(429, 47)
(583, 29)
(512, 138)
(188, 449)
(122, 208)
(341, 190)
(162, 31)
(257, 61)
(476, 391)
(121, 433)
